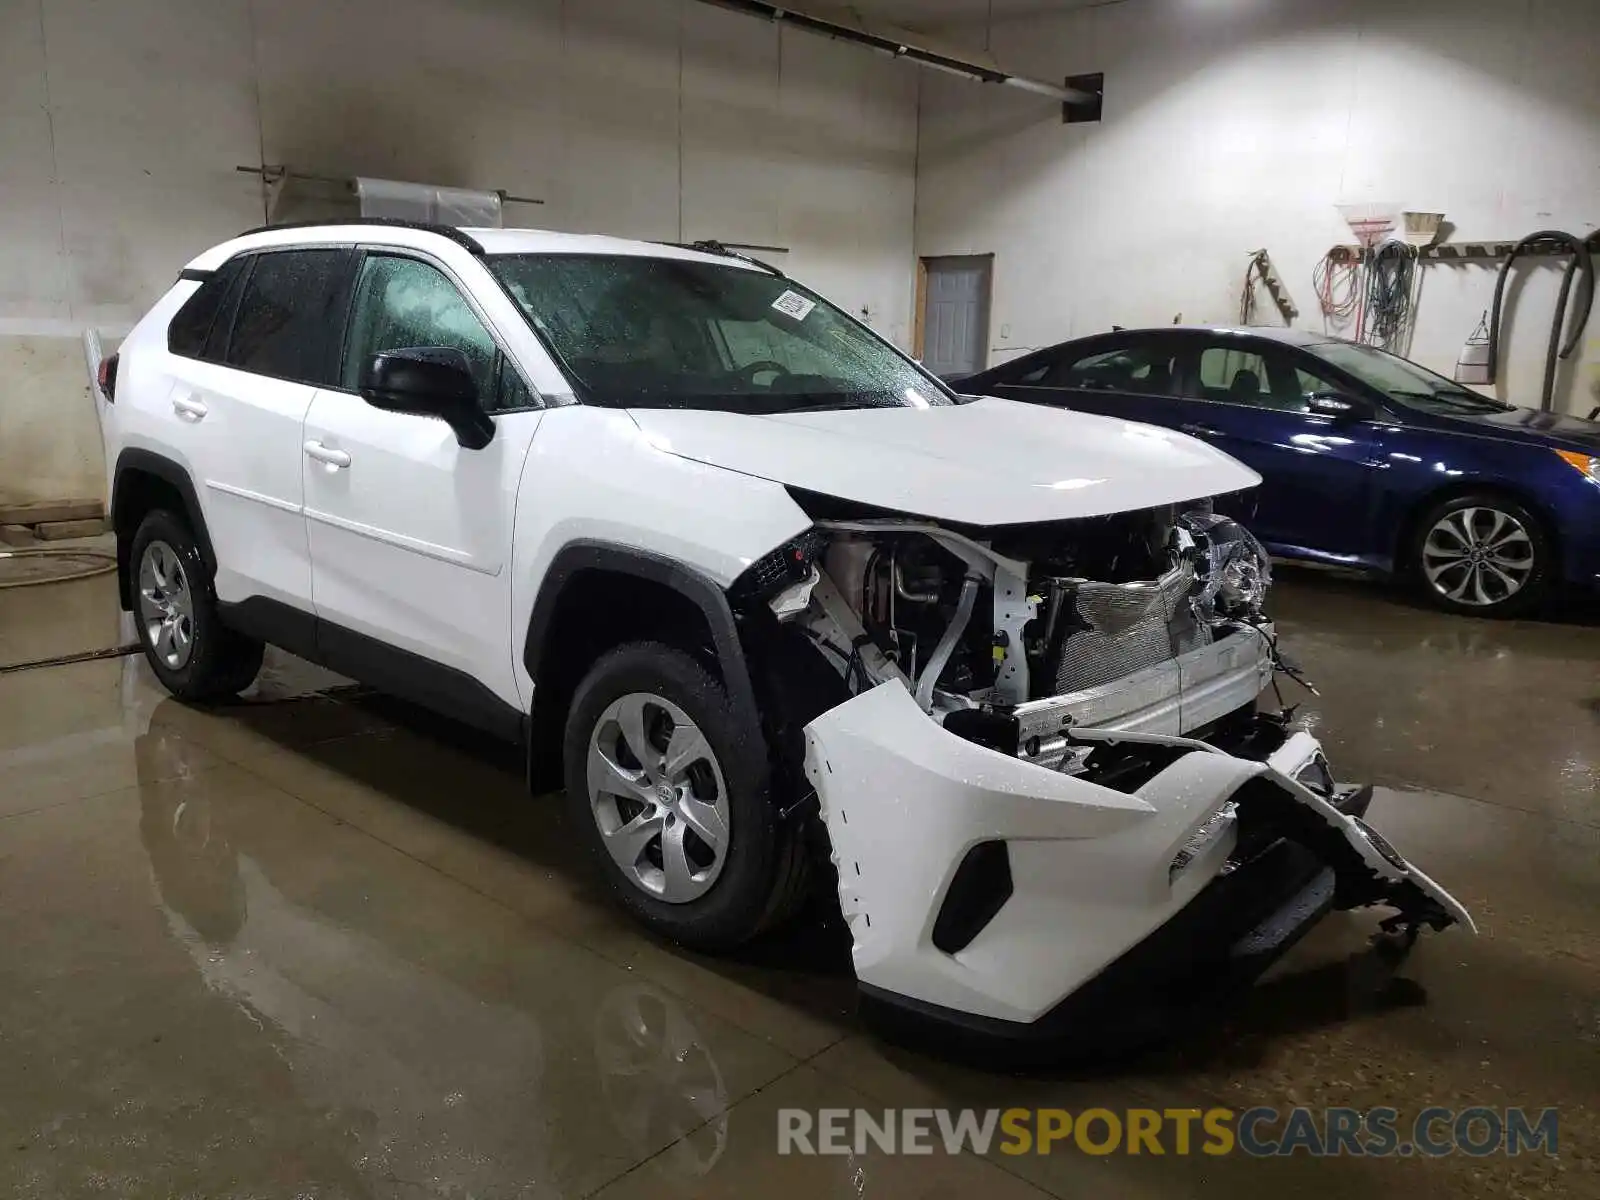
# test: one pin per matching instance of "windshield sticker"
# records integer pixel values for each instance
(792, 304)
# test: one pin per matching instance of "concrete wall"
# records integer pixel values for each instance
(49, 435)
(121, 124)
(1237, 124)
(1230, 125)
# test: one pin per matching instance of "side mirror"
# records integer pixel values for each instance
(1338, 406)
(429, 381)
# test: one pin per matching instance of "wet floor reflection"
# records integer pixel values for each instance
(556, 1072)
(660, 1082)
(316, 943)
(1505, 711)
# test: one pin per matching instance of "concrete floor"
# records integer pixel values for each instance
(310, 947)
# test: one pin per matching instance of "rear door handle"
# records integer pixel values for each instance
(188, 406)
(1200, 431)
(334, 458)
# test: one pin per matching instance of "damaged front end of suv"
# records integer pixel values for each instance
(1056, 815)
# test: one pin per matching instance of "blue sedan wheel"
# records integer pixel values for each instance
(1482, 555)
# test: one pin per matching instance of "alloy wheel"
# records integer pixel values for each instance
(166, 605)
(1478, 556)
(658, 797)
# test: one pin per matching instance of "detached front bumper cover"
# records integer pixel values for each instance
(1087, 919)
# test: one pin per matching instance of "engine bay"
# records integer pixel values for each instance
(1008, 636)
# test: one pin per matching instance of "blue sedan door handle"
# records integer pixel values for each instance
(1199, 431)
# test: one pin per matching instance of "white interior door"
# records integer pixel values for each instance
(955, 320)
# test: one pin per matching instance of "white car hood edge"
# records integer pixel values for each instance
(988, 462)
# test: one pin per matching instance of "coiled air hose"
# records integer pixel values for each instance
(1582, 266)
(1390, 302)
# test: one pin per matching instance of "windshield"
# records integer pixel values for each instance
(636, 332)
(1402, 380)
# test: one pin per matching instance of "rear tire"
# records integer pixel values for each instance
(1481, 555)
(641, 807)
(195, 656)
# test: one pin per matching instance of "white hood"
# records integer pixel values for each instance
(989, 462)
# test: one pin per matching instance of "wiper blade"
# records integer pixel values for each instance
(827, 406)
(1469, 397)
(1461, 399)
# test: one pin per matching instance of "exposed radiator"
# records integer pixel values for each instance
(1131, 626)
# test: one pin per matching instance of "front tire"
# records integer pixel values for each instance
(195, 656)
(1481, 555)
(670, 787)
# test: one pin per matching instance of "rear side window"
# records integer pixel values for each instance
(217, 344)
(192, 324)
(291, 316)
(1148, 368)
(1035, 373)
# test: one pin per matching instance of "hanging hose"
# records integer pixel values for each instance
(1390, 301)
(1582, 265)
(1337, 280)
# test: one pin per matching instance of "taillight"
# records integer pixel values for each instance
(107, 378)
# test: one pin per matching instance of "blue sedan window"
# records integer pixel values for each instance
(1236, 375)
(1147, 369)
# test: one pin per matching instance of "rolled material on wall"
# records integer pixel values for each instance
(424, 202)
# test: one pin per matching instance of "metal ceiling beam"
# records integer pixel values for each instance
(902, 44)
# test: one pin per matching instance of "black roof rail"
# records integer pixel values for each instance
(708, 246)
(460, 238)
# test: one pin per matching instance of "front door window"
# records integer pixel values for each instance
(403, 302)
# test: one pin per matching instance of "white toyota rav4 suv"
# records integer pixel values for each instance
(769, 600)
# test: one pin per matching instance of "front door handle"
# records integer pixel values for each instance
(334, 458)
(1199, 431)
(188, 406)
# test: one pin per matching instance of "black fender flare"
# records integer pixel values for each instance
(135, 460)
(712, 601)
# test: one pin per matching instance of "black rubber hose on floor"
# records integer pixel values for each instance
(1581, 266)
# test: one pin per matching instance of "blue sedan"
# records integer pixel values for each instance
(1367, 460)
